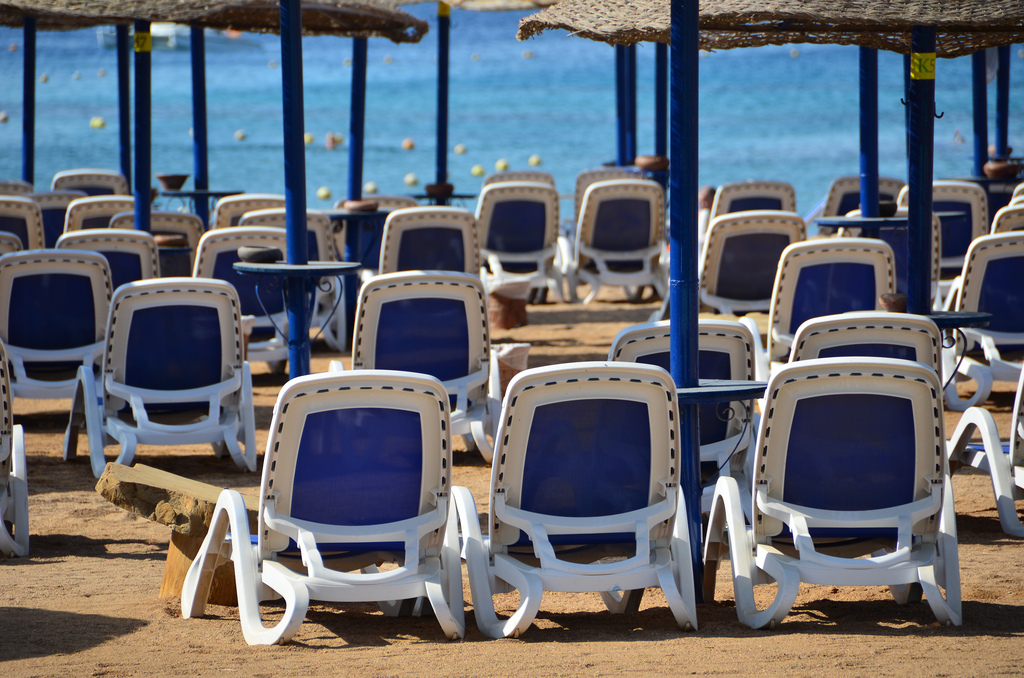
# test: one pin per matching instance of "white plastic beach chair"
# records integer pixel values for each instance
(435, 323)
(95, 211)
(993, 282)
(1003, 461)
(15, 187)
(533, 176)
(430, 239)
(53, 317)
(851, 488)
(753, 195)
(620, 238)
(584, 495)
(518, 226)
(741, 256)
(725, 351)
(132, 255)
(1009, 218)
(844, 194)
(91, 181)
(173, 374)
(165, 223)
(13, 473)
(261, 298)
(229, 209)
(20, 216)
(357, 474)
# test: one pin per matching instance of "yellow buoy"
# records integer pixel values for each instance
(477, 170)
(459, 149)
(308, 137)
(346, 61)
(794, 53)
(408, 144)
(76, 75)
(101, 73)
(272, 64)
(13, 47)
(411, 179)
(501, 164)
(239, 135)
(534, 160)
(97, 122)
(370, 187)
(528, 54)
(323, 193)
(388, 59)
(3, 116)
(475, 56)
(44, 78)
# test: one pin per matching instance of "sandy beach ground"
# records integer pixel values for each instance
(86, 601)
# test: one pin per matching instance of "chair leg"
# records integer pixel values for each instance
(16, 509)
(446, 595)
(623, 602)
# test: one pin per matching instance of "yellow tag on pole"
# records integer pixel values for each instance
(922, 66)
(443, 9)
(143, 42)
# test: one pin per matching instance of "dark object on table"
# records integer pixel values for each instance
(172, 182)
(893, 303)
(259, 255)
(651, 163)
(360, 205)
(444, 190)
(887, 208)
(1001, 169)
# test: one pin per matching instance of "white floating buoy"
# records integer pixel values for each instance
(44, 78)
(459, 149)
(794, 53)
(411, 179)
(370, 187)
(76, 75)
(97, 122)
(3, 116)
(323, 193)
(388, 59)
(528, 54)
(308, 137)
(534, 160)
(346, 61)
(408, 144)
(239, 135)
(101, 73)
(477, 170)
(501, 164)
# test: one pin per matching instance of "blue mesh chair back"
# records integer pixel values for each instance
(755, 203)
(53, 224)
(957, 229)
(748, 265)
(432, 249)
(622, 225)
(18, 226)
(173, 348)
(851, 452)
(52, 311)
(1002, 294)
(829, 288)
(587, 458)
(427, 335)
(517, 226)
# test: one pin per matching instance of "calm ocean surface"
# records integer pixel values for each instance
(766, 113)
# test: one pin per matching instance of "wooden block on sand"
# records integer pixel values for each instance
(184, 505)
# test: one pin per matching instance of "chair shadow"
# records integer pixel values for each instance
(32, 632)
(48, 546)
(362, 625)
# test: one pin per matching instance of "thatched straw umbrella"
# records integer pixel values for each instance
(363, 18)
(923, 29)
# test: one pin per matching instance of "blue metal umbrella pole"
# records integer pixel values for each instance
(296, 287)
(443, 28)
(683, 283)
(920, 139)
(661, 108)
(356, 119)
(28, 103)
(620, 107)
(143, 123)
(200, 139)
(630, 86)
(1003, 103)
(868, 132)
(124, 99)
(979, 96)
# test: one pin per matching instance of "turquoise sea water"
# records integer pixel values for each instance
(765, 113)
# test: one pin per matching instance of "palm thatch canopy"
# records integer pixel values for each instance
(962, 26)
(351, 18)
